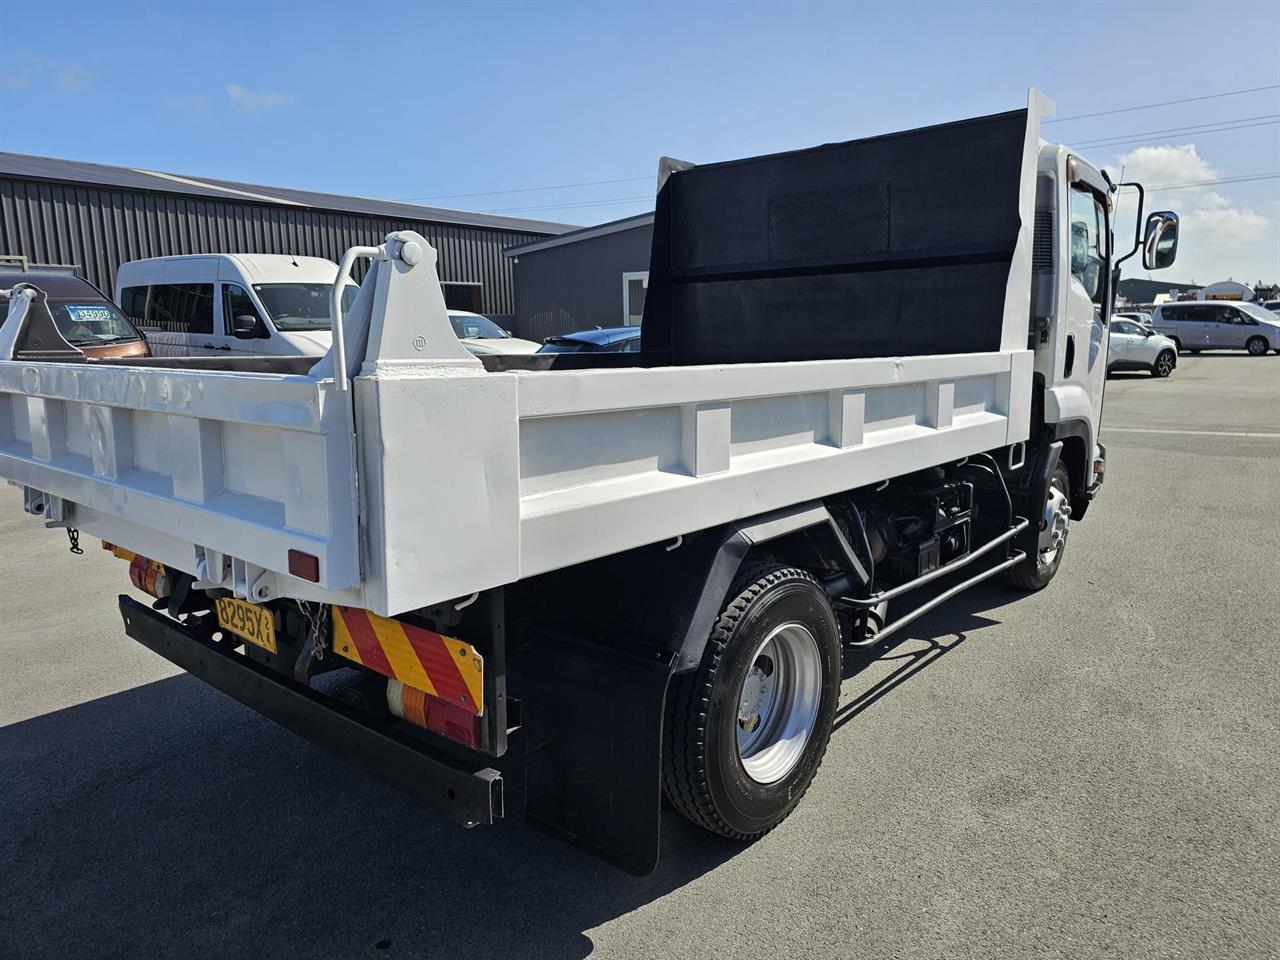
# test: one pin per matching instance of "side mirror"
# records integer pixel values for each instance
(246, 327)
(1160, 242)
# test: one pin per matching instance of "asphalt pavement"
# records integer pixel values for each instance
(1090, 771)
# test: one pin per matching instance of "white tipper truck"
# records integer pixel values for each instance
(871, 376)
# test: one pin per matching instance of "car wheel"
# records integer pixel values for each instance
(1164, 364)
(1257, 347)
(748, 729)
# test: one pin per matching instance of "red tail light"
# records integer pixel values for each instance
(304, 566)
(150, 577)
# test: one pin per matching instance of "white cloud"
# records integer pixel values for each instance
(1219, 236)
(249, 101)
(67, 77)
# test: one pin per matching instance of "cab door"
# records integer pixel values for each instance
(1087, 296)
(237, 303)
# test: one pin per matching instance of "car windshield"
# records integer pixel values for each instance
(1259, 313)
(472, 326)
(87, 323)
(301, 306)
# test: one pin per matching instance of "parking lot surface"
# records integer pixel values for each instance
(1091, 771)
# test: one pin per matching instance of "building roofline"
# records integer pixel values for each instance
(19, 166)
(585, 233)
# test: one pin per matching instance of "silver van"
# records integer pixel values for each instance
(1218, 325)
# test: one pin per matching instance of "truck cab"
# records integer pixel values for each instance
(1074, 274)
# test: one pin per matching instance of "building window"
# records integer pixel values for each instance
(634, 287)
(463, 296)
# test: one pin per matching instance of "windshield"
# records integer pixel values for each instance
(1259, 313)
(472, 326)
(88, 323)
(301, 306)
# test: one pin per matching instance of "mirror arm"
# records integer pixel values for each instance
(1137, 224)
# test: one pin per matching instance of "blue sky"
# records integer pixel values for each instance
(411, 100)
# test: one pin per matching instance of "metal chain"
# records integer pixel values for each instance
(73, 535)
(315, 623)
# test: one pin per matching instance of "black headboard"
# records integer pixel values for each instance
(890, 246)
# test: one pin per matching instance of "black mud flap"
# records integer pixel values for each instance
(594, 746)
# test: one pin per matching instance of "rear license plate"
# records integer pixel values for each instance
(248, 621)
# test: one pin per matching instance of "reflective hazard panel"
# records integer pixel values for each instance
(441, 667)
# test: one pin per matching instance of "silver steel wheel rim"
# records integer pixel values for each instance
(1057, 515)
(778, 703)
(1165, 365)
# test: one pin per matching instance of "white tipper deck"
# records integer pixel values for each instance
(417, 477)
(220, 474)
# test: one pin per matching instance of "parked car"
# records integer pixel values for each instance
(482, 336)
(1135, 347)
(1272, 305)
(83, 314)
(608, 340)
(252, 304)
(1203, 325)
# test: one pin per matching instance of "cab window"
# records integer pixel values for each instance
(236, 302)
(1088, 244)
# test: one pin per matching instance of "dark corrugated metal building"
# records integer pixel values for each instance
(594, 277)
(97, 217)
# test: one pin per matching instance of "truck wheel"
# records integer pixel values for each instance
(1035, 572)
(748, 728)
(1257, 347)
(1164, 364)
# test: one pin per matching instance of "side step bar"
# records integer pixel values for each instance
(467, 796)
(871, 602)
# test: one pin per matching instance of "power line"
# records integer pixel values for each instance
(572, 204)
(1200, 133)
(1179, 130)
(1247, 178)
(494, 193)
(1165, 103)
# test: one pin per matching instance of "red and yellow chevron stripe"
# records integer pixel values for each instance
(441, 667)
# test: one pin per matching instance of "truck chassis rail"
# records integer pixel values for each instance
(468, 796)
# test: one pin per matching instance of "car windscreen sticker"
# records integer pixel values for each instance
(89, 313)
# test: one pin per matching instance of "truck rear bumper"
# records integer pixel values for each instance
(468, 795)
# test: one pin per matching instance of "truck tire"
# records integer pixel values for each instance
(748, 728)
(1040, 566)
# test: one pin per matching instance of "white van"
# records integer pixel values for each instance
(257, 304)
(252, 303)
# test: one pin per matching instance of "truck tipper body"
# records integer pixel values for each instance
(871, 376)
